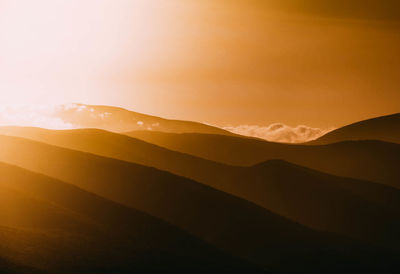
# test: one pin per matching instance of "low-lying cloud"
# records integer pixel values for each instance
(279, 132)
(48, 117)
(32, 116)
(45, 116)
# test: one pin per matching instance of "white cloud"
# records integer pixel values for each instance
(279, 132)
(32, 116)
(47, 116)
(104, 115)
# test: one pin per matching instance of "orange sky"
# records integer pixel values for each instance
(217, 61)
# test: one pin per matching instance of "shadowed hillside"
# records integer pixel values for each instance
(385, 128)
(8, 267)
(59, 228)
(205, 138)
(125, 148)
(230, 223)
(366, 160)
(354, 206)
(359, 209)
(122, 120)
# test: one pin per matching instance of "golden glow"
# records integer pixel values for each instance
(109, 189)
(60, 51)
(224, 62)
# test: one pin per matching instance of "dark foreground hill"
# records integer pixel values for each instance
(385, 128)
(366, 160)
(358, 209)
(234, 225)
(9, 267)
(59, 228)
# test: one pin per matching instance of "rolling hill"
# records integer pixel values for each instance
(234, 225)
(121, 120)
(359, 209)
(385, 128)
(265, 185)
(365, 160)
(124, 148)
(57, 227)
(9, 267)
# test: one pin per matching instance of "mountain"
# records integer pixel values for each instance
(9, 267)
(385, 128)
(57, 227)
(359, 209)
(125, 148)
(266, 184)
(217, 217)
(234, 225)
(365, 160)
(121, 120)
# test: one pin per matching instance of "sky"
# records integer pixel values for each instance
(231, 63)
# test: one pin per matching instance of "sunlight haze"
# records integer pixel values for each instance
(228, 63)
(199, 136)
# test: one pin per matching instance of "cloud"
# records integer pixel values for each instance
(279, 132)
(32, 116)
(48, 117)
(104, 115)
(70, 106)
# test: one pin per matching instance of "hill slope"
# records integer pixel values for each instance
(385, 128)
(266, 185)
(57, 227)
(365, 160)
(232, 224)
(124, 148)
(228, 222)
(9, 267)
(121, 120)
(359, 209)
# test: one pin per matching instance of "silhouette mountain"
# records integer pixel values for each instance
(358, 209)
(365, 160)
(125, 148)
(265, 185)
(9, 267)
(232, 224)
(58, 227)
(121, 120)
(385, 128)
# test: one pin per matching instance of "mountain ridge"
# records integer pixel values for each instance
(233, 180)
(118, 119)
(126, 229)
(383, 128)
(224, 220)
(369, 160)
